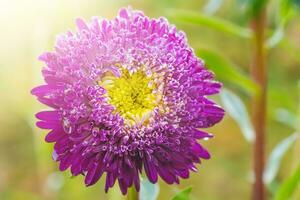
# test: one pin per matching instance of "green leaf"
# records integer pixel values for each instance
(276, 37)
(148, 191)
(218, 24)
(286, 117)
(183, 195)
(237, 110)
(212, 6)
(253, 7)
(288, 187)
(226, 71)
(276, 156)
(285, 13)
(285, 5)
(296, 3)
(273, 187)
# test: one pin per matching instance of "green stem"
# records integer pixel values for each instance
(259, 75)
(132, 194)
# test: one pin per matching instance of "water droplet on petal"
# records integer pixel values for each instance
(54, 155)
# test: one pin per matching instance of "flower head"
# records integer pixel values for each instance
(127, 95)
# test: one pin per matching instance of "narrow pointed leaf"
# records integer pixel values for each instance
(237, 110)
(212, 6)
(183, 195)
(284, 15)
(226, 71)
(288, 187)
(286, 117)
(148, 191)
(276, 37)
(184, 16)
(276, 156)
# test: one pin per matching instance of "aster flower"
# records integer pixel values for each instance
(127, 95)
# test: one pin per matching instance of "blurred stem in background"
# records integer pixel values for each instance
(259, 75)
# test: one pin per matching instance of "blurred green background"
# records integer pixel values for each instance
(29, 28)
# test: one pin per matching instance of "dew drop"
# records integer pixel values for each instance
(206, 138)
(54, 155)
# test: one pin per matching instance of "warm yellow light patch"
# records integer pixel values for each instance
(131, 94)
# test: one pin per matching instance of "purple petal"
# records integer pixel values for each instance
(81, 24)
(94, 173)
(150, 170)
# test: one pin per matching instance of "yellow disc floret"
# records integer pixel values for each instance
(131, 94)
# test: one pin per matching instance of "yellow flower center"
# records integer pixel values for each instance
(131, 95)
